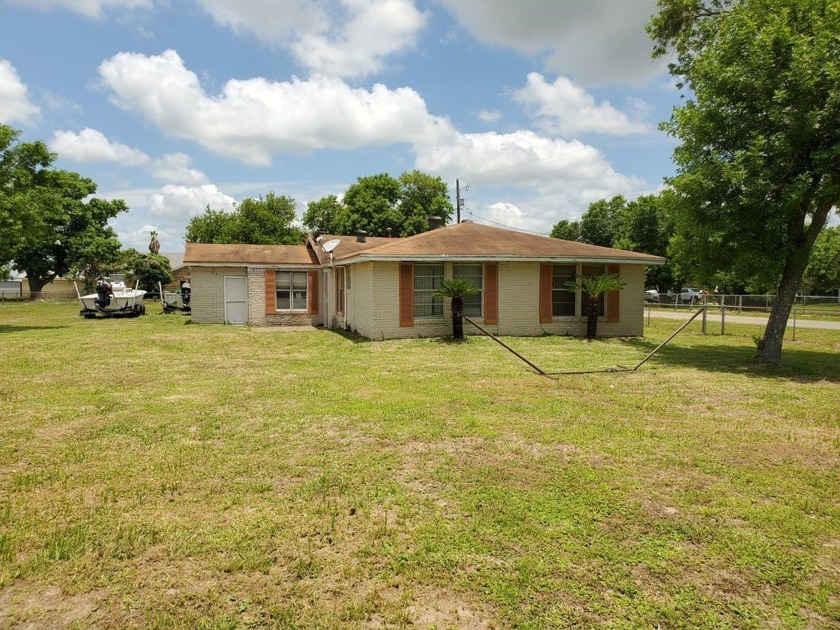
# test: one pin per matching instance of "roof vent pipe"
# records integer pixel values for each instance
(435, 223)
(361, 235)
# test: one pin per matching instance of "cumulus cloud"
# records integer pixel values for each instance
(90, 145)
(599, 41)
(563, 108)
(184, 202)
(489, 115)
(527, 160)
(91, 8)
(15, 106)
(252, 119)
(341, 38)
(177, 169)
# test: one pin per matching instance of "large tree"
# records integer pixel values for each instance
(264, 221)
(758, 164)
(50, 224)
(566, 230)
(379, 203)
(598, 224)
(23, 169)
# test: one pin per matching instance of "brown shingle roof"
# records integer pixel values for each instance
(482, 241)
(206, 254)
(348, 245)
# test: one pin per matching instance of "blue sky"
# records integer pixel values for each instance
(539, 107)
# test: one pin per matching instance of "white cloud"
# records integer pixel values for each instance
(489, 115)
(184, 202)
(91, 8)
(563, 109)
(253, 119)
(90, 145)
(15, 106)
(176, 168)
(526, 160)
(598, 41)
(341, 38)
(374, 29)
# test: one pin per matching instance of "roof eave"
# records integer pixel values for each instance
(653, 260)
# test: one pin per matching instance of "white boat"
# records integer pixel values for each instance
(179, 300)
(112, 298)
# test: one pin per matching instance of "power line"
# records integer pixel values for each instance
(510, 227)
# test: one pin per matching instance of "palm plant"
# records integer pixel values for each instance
(592, 288)
(456, 289)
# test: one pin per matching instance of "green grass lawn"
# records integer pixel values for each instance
(156, 473)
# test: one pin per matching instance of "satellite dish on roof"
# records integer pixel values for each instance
(330, 245)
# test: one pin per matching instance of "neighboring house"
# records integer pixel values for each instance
(381, 287)
(180, 272)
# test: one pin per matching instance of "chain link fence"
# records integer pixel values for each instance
(814, 321)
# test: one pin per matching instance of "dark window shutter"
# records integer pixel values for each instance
(312, 292)
(270, 292)
(546, 313)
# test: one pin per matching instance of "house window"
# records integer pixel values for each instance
(562, 298)
(593, 271)
(473, 273)
(427, 278)
(291, 290)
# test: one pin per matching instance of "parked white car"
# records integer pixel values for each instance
(690, 295)
(652, 295)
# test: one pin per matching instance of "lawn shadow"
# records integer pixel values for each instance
(4, 328)
(349, 335)
(797, 364)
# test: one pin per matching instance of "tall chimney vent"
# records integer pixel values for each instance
(435, 223)
(361, 235)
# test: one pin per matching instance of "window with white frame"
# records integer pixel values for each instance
(562, 298)
(291, 290)
(593, 271)
(427, 278)
(473, 273)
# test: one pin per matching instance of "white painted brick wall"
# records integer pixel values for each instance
(208, 293)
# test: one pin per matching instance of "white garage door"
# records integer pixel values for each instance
(236, 300)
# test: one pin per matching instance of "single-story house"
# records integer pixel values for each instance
(382, 287)
(180, 272)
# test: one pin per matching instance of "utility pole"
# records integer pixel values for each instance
(458, 201)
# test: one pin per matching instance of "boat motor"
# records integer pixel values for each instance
(186, 292)
(104, 291)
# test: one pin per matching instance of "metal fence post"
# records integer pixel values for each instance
(794, 324)
(705, 309)
(723, 319)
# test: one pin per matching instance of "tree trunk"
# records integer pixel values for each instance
(770, 346)
(592, 304)
(37, 283)
(457, 318)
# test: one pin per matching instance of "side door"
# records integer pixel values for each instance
(236, 299)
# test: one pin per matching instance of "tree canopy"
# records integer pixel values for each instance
(263, 221)
(757, 164)
(823, 272)
(639, 226)
(377, 203)
(49, 230)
